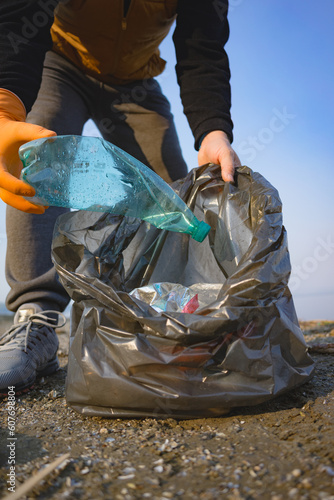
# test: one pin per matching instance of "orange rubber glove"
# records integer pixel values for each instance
(13, 133)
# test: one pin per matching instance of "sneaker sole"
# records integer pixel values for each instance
(49, 369)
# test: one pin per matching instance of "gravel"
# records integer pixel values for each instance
(278, 450)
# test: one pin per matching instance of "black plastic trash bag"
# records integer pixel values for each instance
(241, 346)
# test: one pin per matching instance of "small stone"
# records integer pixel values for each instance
(293, 492)
(85, 471)
(103, 430)
(164, 445)
(53, 394)
(126, 476)
(326, 468)
(109, 440)
(230, 485)
(133, 486)
(296, 472)
(237, 473)
(129, 470)
(158, 469)
(306, 483)
(220, 434)
(153, 481)
(159, 462)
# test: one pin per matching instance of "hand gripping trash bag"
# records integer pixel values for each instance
(240, 344)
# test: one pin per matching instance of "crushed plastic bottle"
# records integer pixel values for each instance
(168, 297)
(89, 173)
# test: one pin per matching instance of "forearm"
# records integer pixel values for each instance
(202, 65)
(24, 40)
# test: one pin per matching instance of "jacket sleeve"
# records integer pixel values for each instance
(202, 67)
(24, 39)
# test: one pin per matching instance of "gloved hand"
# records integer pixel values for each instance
(216, 148)
(13, 133)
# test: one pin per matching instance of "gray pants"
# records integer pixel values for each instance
(135, 117)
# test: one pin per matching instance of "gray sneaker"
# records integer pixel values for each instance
(29, 348)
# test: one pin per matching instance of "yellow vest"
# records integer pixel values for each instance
(96, 37)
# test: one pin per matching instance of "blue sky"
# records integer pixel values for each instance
(282, 65)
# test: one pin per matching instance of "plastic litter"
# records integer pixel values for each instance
(170, 297)
(241, 346)
(89, 173)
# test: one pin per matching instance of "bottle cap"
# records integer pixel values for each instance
(201, 231)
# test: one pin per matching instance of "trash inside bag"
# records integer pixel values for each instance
(162, 325)
(170, 297)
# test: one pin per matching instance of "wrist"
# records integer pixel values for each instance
(214, 134)
(11, 106)
(218, 134)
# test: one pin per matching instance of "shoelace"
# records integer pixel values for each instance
(18, 331)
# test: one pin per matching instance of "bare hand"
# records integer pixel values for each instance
(216, 148)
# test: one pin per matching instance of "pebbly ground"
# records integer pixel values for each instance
(279, 450)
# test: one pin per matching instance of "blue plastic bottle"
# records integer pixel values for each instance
(89, 173)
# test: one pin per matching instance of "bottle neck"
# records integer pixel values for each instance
(201, 230)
